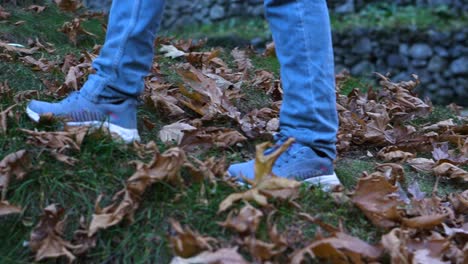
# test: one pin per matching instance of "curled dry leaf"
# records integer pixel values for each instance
(15, 164)
(187, 243)
(36, 8)
(221, 256)
(207, 137)
(424, 221)
(246, 222)
(16, 50)
(244, 64)
(163, 167)
(261, 250)
(377, 198)
(451, 171)
(392, 153)
(339, 248)
(7, 209)
(174, 132)
(171, 52)
(46, 238)
(421, 164)
(59, 141)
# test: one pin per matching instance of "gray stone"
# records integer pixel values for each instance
(217, 12)
(397, 61)
(437, 64)
(460, 66)
(404, 49)
(362, 68)
(418, 63)
(441, 51)
(421, 51)
(363, 46)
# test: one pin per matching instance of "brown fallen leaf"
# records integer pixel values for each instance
(265, 184)
(424, 221)
(377, 198)
(4, 14)
(221, 256)
(207, 137)
(421, 164)
(15, 164)
(244, 63)
(46, 238)
(59, 141)
(173, 133)
(246, 222)
(163, 167)
(451, 171)
(7, 209)
(187, 243)
(17, 50)
(3, 118)
(392, 153)
(36, 8)
(68, 5)
(73, 29)
(339, 248)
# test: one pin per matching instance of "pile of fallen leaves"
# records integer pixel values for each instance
(417, 227)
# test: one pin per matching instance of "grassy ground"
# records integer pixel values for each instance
(104, 165)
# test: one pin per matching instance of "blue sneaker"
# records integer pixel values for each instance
(299, 162)
(76, 110)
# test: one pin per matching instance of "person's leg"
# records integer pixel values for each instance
(302, 35)
(125, 59)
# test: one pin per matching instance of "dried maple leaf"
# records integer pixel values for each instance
(221, 256)
(265, 184)
(46, 238)
(209, 169)
(451, 171)
(424, 221)
(73, 28)
(206, 98)
(158, 95)
(270, 50)
(14, 164)
(174, 132)
(6, 208)
(377, 198)
(82, 242)
(187, 243)
(245, 222)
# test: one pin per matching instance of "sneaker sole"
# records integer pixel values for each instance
(127, 135)
(325, 182)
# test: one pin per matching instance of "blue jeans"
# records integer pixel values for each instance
(302, 34)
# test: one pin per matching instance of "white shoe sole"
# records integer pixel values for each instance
(325, 182)
(127, 135)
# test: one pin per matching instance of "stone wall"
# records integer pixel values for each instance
(440, 59)
(187, 12)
